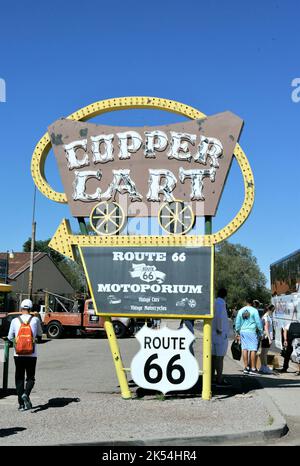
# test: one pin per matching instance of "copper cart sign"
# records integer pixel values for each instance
(187, 161)
(172, 174)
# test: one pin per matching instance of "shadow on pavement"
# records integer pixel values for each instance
(238, 385)
(8, 392)
(278, 380)
(55, 403)
(244, 384)
(11, 431)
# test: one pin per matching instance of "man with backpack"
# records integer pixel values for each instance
(24, 331)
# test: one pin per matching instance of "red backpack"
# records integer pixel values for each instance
(24, 343)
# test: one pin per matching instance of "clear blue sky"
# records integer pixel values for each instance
(213, 55)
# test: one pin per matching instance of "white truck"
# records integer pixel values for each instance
(285, 283)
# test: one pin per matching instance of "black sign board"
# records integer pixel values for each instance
(150, 281)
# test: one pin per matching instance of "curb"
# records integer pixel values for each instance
(278, 429)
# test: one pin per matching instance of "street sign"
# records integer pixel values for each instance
(164, 362)
(150, 281)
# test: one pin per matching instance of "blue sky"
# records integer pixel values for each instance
(241, 56)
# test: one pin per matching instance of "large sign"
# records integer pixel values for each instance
(174, 172)
(165, 362)
(145, 166)
(150, 281)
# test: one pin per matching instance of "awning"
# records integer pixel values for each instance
(5, 288)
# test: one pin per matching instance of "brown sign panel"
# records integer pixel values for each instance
(143, 167)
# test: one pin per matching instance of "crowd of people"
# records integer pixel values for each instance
(253, 331)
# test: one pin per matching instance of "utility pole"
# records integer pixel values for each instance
(30, 278)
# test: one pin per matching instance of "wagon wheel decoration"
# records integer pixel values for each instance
(107, 218)
(176, 217)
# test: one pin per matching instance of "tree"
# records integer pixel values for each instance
(236, 269)
(73, 271)
(43, 246)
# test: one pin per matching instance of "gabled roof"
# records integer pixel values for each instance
(289, 256)
(20, 262)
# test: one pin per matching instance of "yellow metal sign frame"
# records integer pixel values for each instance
(64, 241)
(43, 147)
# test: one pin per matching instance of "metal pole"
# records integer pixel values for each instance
(84, 231)
(5, 365)
(112, 339)
(6, 281)
(30, 278)
(46, 301)
(114, 347)
(82, 225)
(207, 339)
(6, 267)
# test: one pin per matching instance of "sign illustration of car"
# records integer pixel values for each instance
(186, 302)
(112, 299)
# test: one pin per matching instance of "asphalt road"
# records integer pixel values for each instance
(86, 362)
(77, 399)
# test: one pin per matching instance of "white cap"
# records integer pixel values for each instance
(26, 304)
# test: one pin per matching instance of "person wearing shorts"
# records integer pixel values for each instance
(248, 327)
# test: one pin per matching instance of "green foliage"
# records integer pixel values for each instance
(236, 269)
(42, 246)
(73, 271)
(74, 274)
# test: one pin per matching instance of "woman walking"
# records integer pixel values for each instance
(267, 339)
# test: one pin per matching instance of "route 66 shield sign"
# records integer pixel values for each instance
(164, 361)
(147, 273)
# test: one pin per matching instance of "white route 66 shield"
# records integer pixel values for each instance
(147, 273)
(164, 361)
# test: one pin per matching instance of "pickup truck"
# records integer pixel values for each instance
(86, 322)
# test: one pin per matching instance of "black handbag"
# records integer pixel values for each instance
(265, 342)
(236, 350)
(283, 352)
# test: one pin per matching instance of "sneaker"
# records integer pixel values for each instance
(246, 370)
(282, 371)
(265, 370)
(27, 402)
(21, 408)
(253, 372)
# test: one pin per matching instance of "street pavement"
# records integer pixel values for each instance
(76, 400)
